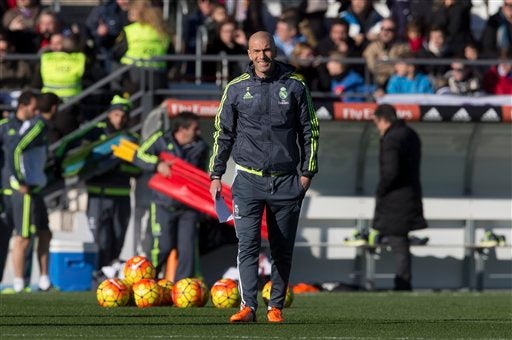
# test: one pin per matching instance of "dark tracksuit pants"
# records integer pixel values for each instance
(173, 228)
(108, 220)
(282, 197)
(27, 214)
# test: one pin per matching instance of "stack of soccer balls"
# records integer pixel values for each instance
(139, 287)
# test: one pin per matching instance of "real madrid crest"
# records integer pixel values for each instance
(283, 94)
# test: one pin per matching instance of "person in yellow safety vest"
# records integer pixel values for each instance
(146, 37)
(62, 69)
(108, 204)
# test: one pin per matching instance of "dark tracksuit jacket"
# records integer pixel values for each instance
(28, 162)
(172, 224)
(108, 203)
(270, 128)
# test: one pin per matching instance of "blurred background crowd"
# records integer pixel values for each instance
(354, 50)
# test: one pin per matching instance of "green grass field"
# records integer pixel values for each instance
(316, 316)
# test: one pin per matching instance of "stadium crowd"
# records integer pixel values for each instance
(415, 32)
(371, 48)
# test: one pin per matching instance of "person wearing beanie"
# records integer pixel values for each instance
(108, 204)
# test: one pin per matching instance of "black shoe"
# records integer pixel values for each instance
(402, 285)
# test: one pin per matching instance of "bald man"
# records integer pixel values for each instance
(266, 117)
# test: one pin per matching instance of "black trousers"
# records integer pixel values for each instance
(108, 220)
(282, 198)
(400, 249)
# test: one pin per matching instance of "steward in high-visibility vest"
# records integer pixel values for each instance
(143, 43)
(62, 72)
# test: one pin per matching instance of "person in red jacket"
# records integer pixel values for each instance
(498, 79)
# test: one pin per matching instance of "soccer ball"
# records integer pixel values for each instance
(166, 291)
(113, 293)
(138, 268)
(147, 293)
(205, 292)
(266, 294)
(187, 293)
(224, 294)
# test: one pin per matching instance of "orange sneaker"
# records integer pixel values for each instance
(246, 314)
(275, 315)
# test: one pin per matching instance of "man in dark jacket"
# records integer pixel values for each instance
(497, 35)
(398, 207)
(266, 116)
(104, 24)
(171, 223)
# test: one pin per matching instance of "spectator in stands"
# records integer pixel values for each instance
(27, 160)
(398, 207)
(145, 38)
(497, 35)
(104, 24)
(254, 15)
(471, 51)
(400, 12)
(315, 13)
(286, 36)
(498, 79)
(48, 24)
(407, 79)
(338, 40)
(108, 201)
(172, 224)
(295, 16)
(421, 11)
(47, 104)
(414, 35)
(304, 59)
(219, 15)
(20, 21)
(344, 81)
(14, 74)
(462, 80)
(384, 48)
(436, 48)
(454, 18)
(195, 20)
(363, 20)
(224, 42)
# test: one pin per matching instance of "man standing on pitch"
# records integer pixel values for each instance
(398, 206)
(266, 116)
